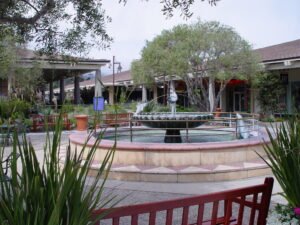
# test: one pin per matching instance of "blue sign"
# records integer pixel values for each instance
(98, 103)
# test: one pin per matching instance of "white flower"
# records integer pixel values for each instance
(282, 217)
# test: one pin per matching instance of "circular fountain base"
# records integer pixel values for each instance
(186, 162)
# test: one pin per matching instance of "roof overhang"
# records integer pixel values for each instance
(63, 64)
(54, 69)
(282, 64)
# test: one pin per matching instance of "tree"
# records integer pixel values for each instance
(84, 22)
(23, 82)
(206, 55)
(270, 90)
(8, 56)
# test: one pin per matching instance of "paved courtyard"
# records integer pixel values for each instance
(139, 192)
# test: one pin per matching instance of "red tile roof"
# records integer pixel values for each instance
(287, 50)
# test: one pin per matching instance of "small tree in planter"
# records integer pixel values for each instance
(270, 90)
(50, 193)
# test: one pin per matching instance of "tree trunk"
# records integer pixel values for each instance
(211, 94)
(144, 93)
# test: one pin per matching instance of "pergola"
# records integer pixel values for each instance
(58, 68)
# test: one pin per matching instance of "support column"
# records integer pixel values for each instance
(76, 90)
(111, 95)
(98, 84)
(154, 93)
(50, 91)
(289, 98)
(144, 94)
(61, 90)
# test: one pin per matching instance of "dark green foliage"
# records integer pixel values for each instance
(270, 90)
(52, 192)
(84, 22)
(67, 108)
(150, 107)
(155, 107)
(183, 5)
(14, 108)
(39, 21)
(284, 158)
(180, 108)
(87, 95)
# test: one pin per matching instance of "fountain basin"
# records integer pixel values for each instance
(168, 120)
(172, 123)
(186, 162)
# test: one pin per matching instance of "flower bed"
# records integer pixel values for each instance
(284, 215)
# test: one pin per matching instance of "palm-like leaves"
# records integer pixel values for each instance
(52, 193)
(284, 159)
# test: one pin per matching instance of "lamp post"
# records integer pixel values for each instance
(118, 71)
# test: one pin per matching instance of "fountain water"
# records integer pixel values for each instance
(242, 131)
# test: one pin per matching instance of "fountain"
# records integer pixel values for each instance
(172, 122)
(158, 152)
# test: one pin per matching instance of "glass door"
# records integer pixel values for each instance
(239, 101)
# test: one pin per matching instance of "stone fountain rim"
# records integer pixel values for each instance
(80, 139)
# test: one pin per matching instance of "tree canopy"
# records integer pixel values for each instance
(70, 26)
(206, 55)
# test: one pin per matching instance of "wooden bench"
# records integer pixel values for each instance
(119, 119)
(247, 205)
(40, 122)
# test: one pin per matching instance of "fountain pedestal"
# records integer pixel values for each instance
(172, 136)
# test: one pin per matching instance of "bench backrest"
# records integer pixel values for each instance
(248, 205)
(111, 118)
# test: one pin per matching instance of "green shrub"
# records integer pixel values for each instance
(79, 109)
(50, 193)
(117, 108)
(67, 108)
(284, 158)
(163, 108)
(14, 109)
(180, 108)
(150, 107)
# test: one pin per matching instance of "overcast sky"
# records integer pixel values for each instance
(260, 22)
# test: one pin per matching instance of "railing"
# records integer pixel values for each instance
(225, 124)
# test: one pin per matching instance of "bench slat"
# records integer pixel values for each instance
(215, 212)
(152, 218)
(169, 217)
(241, 210)
(185, 215)
(253, 209)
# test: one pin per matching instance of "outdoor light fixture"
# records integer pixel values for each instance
(118, 71)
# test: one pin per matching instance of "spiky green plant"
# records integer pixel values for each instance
(284, 158)
(50, 193)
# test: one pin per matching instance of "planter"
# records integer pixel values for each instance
(81, 122)
(218, 112)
